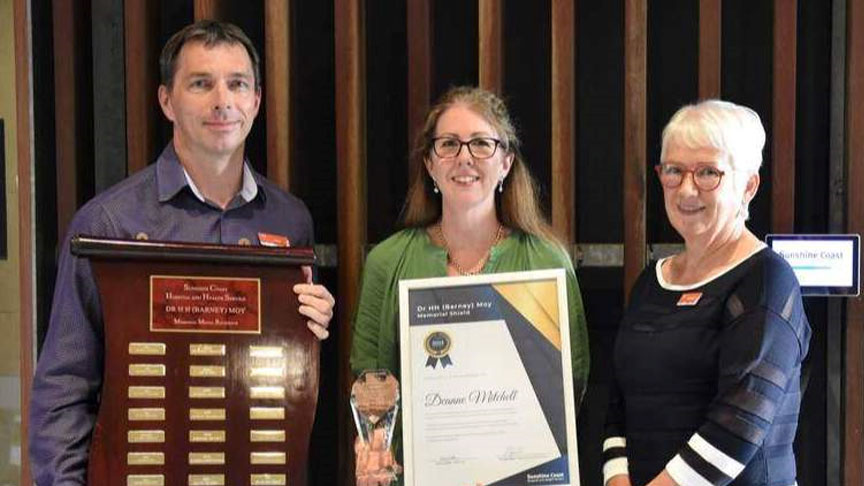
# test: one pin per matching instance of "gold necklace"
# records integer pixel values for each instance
(479, 265)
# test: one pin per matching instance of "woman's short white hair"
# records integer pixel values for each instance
(733, 129)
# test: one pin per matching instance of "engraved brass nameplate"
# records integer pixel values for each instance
(266, 351)
(205, 304)
(145, 458)
(268, 458)
(147, 349)
(268, 479)
(199, 371)
(206, 436)
(157, 392)
(267, 392)
(206, 392)
(206, 414)
(139, 414)
(145, 480)
(146, 369)
(201, 349)
(266, 413)
(274, 372)
(146, 436)
(267, 435)
(206, 480)
(202, 458)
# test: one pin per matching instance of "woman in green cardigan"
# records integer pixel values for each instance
(471, 209)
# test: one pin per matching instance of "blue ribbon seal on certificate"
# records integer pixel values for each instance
(437, 346)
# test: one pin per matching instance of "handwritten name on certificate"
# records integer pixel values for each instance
(487, 381)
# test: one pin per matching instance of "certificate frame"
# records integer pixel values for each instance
(557, 407)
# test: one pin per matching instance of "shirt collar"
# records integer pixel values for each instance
(171, 178)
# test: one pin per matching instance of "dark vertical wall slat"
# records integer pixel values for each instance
(490, 51)
(563, 118)
(350, 64)
(710, 19)
(854, 399)
(109, 117)
(635, 116)
(419, 33)
(277, 90)
(142, 80)
(209, 9)
(783, 119)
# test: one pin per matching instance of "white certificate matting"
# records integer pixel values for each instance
(487, 381)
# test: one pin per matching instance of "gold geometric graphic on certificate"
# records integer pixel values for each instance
(155, 392)
(267, 392)
(146, 369)
(206, 480)
(538, 303)
(145, 436)
(204, 414)
(266, 413)
(266, 351)
(145, 480)
(202, 349)
(145, 459)
(144, 414)
(206, 436)
(202, 371)
(268, 479)
(206, 458)
(147, 349)
(279, 458)
(267, 372)
(267, 436)
(206, 392)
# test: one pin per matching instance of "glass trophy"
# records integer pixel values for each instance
(374, 405)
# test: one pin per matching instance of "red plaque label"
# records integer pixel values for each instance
(205, 304)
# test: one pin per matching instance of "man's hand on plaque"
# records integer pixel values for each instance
(375, 465)
(316, 303)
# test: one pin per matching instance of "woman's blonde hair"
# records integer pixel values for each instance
(517, 206)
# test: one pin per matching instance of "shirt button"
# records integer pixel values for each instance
(142, 236)
(244, 242)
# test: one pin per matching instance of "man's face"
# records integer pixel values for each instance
(212, 101)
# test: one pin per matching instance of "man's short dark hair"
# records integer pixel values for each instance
(209, 33)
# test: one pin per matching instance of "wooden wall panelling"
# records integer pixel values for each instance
(563, 118)
(109, 113)
(635, 126)
(24, 144)
(142, 81)
(210, 9)
(783, 118)
(419, 34)
(490, 51)
(349, 24)
(853, 463)
(277, 90)
(710, 22)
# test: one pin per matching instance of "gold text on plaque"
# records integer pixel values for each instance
(147, 392)
(206, 480)
(266, 413)
(265, 351)
(201, 349)
(206, 436)
(206, 414)
(145, 480)
(143, 369)
(267, 392)
(147, 349)
(267, 436)
(139, 414)
(145, 458)
(267, 372)
(268, 479)
(202, 458)
(268, 458)
(146, 436)
(201, 371)
(206, 392)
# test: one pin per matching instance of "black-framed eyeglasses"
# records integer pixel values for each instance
(479, 147)
(705, 177)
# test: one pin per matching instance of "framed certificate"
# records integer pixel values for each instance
(487, 382)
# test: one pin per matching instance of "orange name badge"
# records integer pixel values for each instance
(689, 299)
(269, 239)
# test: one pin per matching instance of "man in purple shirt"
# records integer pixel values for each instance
(200, 189)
